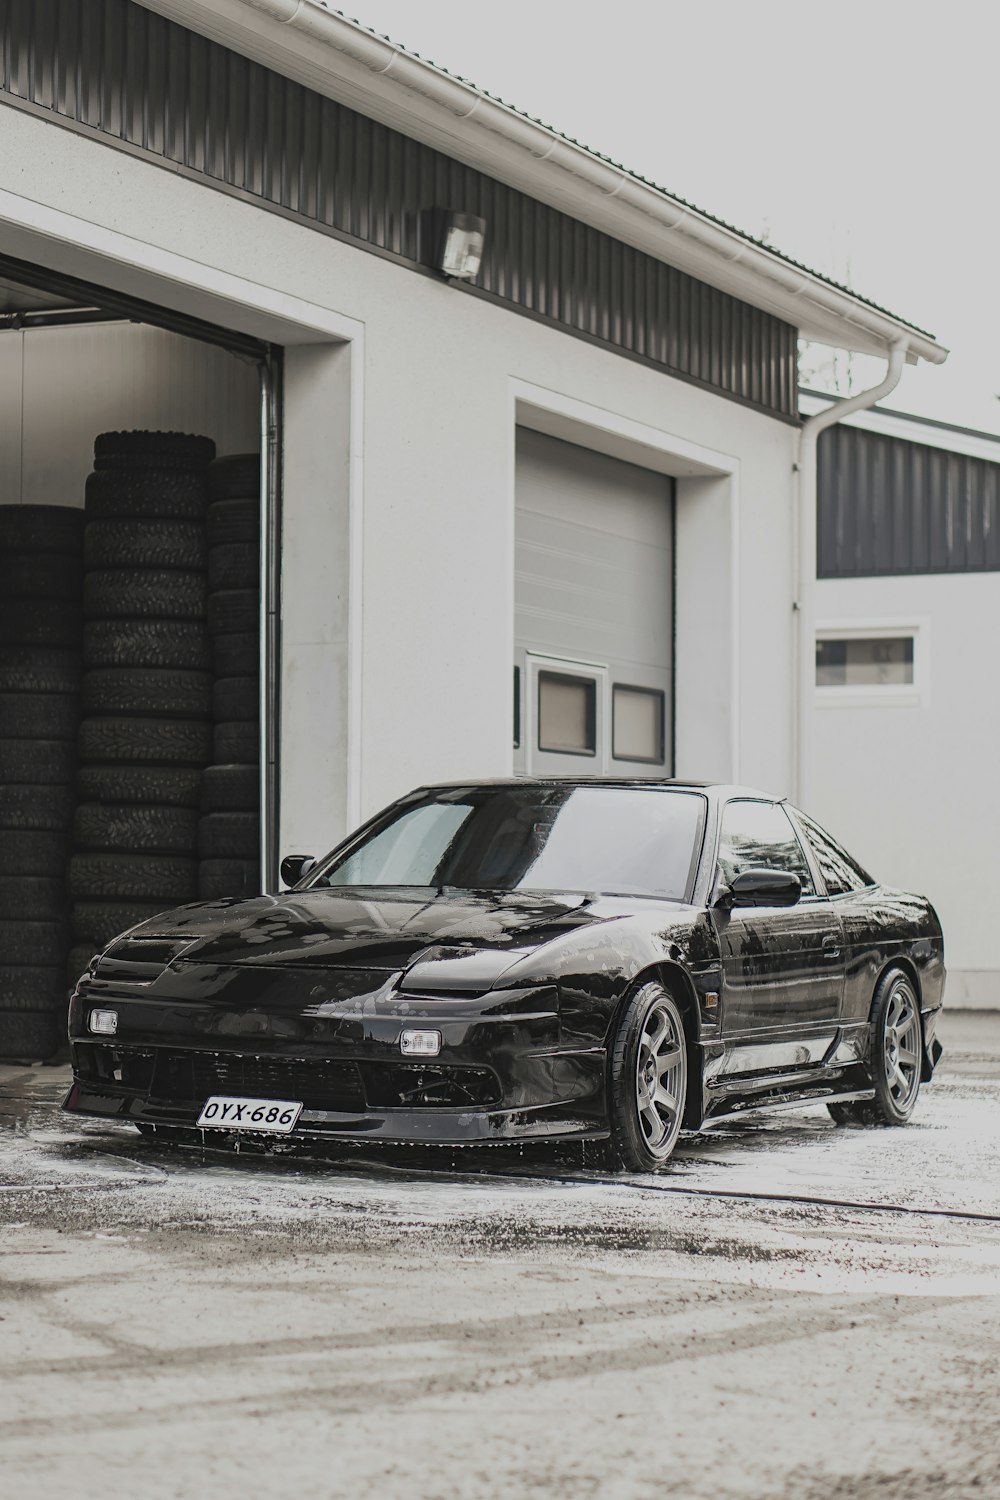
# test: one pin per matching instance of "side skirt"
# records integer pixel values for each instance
(788, 1101)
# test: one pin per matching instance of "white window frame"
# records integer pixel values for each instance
(553, 762)
(877, 695)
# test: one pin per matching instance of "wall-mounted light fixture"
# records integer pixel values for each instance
(452, 243)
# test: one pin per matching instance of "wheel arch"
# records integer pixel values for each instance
(908, 968)
(679, 985)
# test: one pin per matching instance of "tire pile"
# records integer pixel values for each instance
(146, 732)
(41, 623)
(229, 830)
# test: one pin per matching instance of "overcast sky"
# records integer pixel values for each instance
(859, 138)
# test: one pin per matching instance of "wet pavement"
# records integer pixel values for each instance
(793, 1310)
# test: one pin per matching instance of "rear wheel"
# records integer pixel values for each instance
(648, 1082)
(896, 1057)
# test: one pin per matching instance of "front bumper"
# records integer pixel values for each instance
(505, 1071)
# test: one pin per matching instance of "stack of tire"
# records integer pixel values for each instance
(41, 629)
(229, 831)
(146, 731)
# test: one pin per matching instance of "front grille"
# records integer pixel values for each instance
(190, 1077)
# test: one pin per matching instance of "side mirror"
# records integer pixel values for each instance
(294, 866)
(762, 888)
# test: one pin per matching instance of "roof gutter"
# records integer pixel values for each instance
(804, 563)
(338, 57)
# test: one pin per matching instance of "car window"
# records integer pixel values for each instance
(760, 836)
(840, 872)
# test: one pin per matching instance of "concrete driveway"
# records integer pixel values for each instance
(794, 1310)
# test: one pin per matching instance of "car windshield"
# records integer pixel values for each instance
(617, 840)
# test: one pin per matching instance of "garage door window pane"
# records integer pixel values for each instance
(865, 661)
(567, 714)
(637, 730)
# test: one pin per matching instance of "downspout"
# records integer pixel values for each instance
(804, 560)
(270, 642)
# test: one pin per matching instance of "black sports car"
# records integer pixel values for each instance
(516, 960)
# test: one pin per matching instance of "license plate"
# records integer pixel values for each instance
(224, 1112)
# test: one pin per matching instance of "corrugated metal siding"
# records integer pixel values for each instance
(886, 505)
(157, 89)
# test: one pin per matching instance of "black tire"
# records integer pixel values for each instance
(233, 611)
(41, 622)
(895, 1091)
(230, 789)
(144, 594)
(123, 494)
(37, 807)
(219, 878)
(236, 742)
(161, 644)
(39, 944)
(32, 988)
(38, 762)
(631, 1145)
(236, 655)
(159, 742)
(145, 544)
(229, 835)
(135, 826)
(32, 1036)
(171, 786)
(168, 694)
(32, 898)
(41, 528)
(98, 923)
(166, 878)
(236, 698)
(36, 669)
(237, 474)
(234, 565)
(39, 716)
(153, 450)
(41, 575)
(229, 521)
(25, 851)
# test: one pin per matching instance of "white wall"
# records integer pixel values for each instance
(60, 387)
(908, 784)
(431, 597)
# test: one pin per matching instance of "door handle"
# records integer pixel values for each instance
(831, 946)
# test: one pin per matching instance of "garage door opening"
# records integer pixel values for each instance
(593, 613)
(133, 587)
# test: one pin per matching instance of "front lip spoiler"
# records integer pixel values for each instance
(398, 1127)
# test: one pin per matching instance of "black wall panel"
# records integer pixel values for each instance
(154, 88)
(887, 505)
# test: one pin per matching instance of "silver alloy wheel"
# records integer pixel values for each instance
(901, 1042)
(660, 1069)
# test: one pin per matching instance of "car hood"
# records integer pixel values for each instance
(449, 940)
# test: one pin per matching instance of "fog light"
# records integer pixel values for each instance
(420, 1043)
(104, 1022)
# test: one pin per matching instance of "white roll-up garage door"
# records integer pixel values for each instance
(593, 613)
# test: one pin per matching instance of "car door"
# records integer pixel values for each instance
(782, 967)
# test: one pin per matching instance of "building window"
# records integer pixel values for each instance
(517, 708)
(567, 714)
(864, 661)
(637, 724)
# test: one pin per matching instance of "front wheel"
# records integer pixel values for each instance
(897, 1051)
(648, 1081)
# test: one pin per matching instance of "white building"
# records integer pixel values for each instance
(579, 466)
(902, 755)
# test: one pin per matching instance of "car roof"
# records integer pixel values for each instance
(718, 791)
